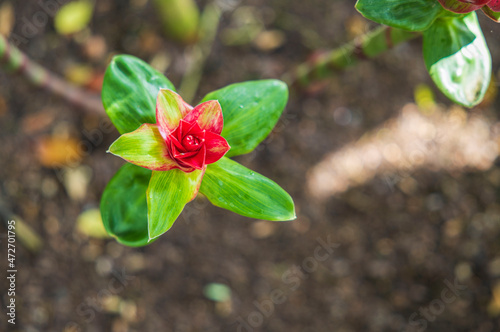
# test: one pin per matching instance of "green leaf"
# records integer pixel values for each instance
(73, 17)
(495, 16)
(124, 208)
(231, 186)
(251, 110)
(458, 59)
(413, 15)
(129, 92)
(144, 147)
(167, 194)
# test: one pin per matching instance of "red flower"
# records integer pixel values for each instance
(195, 140)
(489, 7)
(183, 137)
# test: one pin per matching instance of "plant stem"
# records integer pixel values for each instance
(209, 23)
(365, 47)
(14, 61)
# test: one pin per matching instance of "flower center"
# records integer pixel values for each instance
(191, 141)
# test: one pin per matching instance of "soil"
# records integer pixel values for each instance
(374, 257)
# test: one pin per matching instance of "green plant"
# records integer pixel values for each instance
(141, 203)
(454, 49)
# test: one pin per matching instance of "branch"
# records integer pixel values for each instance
(13, 60)
(200, 51)
(365, 47)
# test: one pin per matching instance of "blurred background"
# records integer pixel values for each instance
(396, 189)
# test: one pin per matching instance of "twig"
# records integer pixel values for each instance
(362, 48)
(13, 60)
(200, 51)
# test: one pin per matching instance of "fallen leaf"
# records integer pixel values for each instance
(7, 18)
(55, 151)
(90, 224)
(73, 17)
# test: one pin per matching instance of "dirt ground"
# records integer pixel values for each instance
(418, 251)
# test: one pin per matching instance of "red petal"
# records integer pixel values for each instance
(208, 115)
(216, 146)
(458, 7)
(170, 109)
(178, 131)
(183, 155)
(494, 5)
(197, 161)
(176, 152)
(476, 2)
(174, 143)
(495, 16)
(193, 129)
(190, 129)
(177, 157)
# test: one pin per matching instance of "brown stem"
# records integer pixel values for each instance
(362, 48)
(15, 61)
